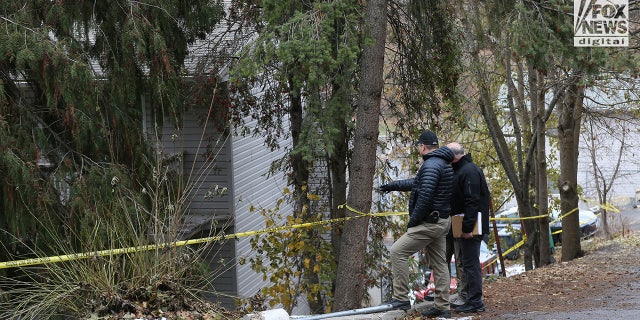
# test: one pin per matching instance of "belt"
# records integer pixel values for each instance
(434, 216)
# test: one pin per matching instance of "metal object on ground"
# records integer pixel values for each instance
(380, 308)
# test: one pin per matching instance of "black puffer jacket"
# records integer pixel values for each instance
(470, 194)
(431, 187)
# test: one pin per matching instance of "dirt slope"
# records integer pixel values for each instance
(603, 283)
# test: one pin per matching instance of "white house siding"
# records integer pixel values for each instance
(203, 157)
(207, 164)
(253, 187)
(615, 104)
(607, 155)
(607, 146)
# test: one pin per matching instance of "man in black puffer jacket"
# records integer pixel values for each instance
(429, 223)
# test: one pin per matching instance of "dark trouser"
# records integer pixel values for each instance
(470, 249)
(453, 251)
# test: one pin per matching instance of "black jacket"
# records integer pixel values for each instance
(470, 194)
(430, 188)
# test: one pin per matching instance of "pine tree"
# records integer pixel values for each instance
(73, 75)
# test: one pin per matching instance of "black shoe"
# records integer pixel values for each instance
(469, 308)
(398, 304)
(434, 312)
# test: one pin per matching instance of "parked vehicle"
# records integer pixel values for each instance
(509, 233)
(589, 222)
(507, 217)
(509, 230)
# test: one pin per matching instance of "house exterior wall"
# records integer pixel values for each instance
(202, 155)
(247, 160)
(602, 141)
(253, 186)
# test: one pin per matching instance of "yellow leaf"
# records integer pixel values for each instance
(313, 196)
(307, 262)
(268, 222)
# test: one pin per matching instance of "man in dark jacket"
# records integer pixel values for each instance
(429, 223)
(470, 197)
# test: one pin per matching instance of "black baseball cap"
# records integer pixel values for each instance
(428, 138)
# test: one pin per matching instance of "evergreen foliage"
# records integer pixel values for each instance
(302, 48)
(425, 66)
(73, 76)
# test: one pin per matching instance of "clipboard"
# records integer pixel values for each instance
(456, 225)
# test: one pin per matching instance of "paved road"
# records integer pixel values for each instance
(631, 217)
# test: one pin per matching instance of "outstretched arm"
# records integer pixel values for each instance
(398, 185)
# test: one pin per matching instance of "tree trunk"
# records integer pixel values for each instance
(338, 188)
(338, 169)
(529, 230)
(568, 132)
(351, 275)
(300, 178)
(541, 171)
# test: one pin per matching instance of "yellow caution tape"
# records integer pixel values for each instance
(521, 218)
(534, 217)
(564, 215)
(109, 252)
(560, 231)
(512, 248)
(609, 207)
(379, 214)
(515, 246)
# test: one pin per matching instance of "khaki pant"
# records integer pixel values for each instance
(432, 238)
